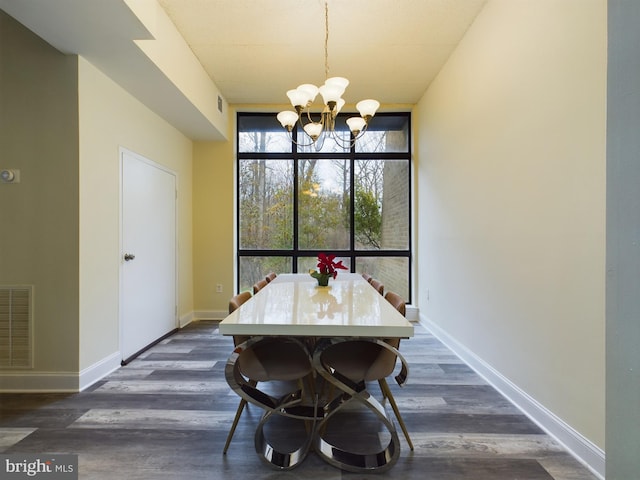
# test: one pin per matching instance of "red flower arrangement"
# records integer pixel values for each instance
(326, 268)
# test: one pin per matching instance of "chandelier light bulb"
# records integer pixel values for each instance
(339, 82)
(313, 129)
(356, 124)
(310, 90)
(298, 98)
(367, 108)
(331, 93)
(288, 119)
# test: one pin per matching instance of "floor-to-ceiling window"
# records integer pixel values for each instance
(351, 199)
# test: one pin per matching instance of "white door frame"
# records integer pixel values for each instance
(121, 152)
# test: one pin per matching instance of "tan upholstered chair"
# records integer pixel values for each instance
(234, 303)
(367, 277)
(269, 278)
(366, 361)
(397, 301)
(271, 358)
(259, 285)
(399, 304)
(237, 300)
(280, 359)
(378, 285)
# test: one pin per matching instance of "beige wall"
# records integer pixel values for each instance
(214, 230)
(110, 118)
(63, 122)
(511, 201)
(169, 51)
(39, 216)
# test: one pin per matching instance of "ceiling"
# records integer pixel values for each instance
(255, 50)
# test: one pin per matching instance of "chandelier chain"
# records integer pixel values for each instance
(326, 40)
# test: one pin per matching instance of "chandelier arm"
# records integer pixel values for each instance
(334, 136)
(300, 144)
(322, 122)
(302, 131)
(362, 132)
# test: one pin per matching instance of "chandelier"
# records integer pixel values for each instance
(304, 95)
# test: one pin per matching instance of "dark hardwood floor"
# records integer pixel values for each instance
(166, 416)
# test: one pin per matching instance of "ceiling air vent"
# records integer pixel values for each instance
(15, 326)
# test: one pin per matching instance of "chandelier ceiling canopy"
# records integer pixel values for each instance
(303, 97)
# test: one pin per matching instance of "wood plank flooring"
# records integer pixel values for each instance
(166, 416)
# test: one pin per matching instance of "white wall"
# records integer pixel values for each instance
(111, 118)
(511, 203)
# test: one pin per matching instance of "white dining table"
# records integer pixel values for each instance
(294, 305)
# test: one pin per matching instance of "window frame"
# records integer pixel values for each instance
(351, 156)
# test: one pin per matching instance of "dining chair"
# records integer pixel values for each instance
(400, 305)
(234, 303)
(397, 301)
(348, 364)
(270, 277)
(267, 359)
(367, 277)
(363, 360)
(378, 285)
(259, 285)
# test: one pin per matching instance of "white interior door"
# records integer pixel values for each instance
(148, 256)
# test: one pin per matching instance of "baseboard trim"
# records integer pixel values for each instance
(99, 370)
(22, 381)
(579, 446)
(185, 320)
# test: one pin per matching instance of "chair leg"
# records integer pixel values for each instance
(386, 391)
(236, 419)
(243, 402)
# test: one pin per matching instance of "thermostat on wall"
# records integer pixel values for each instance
(10, 176)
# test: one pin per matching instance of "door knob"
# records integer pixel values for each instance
(128, 257)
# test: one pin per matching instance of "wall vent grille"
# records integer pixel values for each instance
(15, 326)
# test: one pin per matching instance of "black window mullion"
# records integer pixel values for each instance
(352, 205)
(296, 183)
(351, 157)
